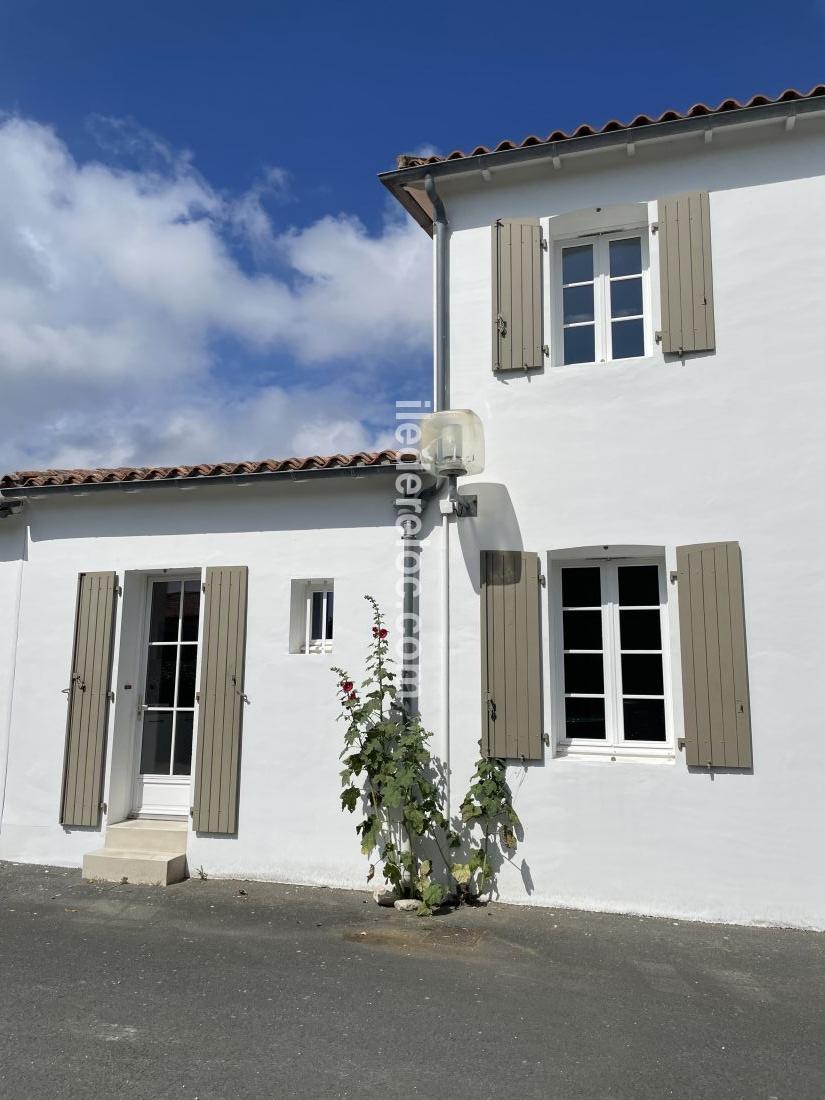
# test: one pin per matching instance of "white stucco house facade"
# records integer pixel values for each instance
(634, 315)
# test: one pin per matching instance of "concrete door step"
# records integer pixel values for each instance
(138, 835)
(140, 867)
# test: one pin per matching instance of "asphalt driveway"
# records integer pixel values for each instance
(228, 989)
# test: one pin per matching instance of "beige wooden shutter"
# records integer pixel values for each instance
(517, 303)
(510, 655)
(89, 695)
(685, 274)
(714, 656)
(221, 700)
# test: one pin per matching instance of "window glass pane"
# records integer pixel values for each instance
(156, 745)
(583, 629)
(583, 673)
(640, 629)
(160, 675)
(186, 675)
(580, 344)
(644, 720)
(577, 264)
(163, 619)
(329, 616)
(316, 625)
(581, 587)
(626, 256)
(578, 303)
(182, 764)
(641, 674)
(639, 585)
(628, 339)
(191, 610)
(584, 718)
(625, 298)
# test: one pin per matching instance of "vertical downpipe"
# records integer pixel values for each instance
(5, 744)
(442, 401)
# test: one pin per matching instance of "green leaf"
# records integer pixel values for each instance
(461, 873)
(349, 798)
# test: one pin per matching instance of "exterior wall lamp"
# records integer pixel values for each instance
(452, 446)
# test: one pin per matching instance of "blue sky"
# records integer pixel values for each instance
(196, 259)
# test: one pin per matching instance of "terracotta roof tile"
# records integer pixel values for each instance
(585, 130)
(35, 479)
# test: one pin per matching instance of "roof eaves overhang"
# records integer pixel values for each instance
(401, 182)
(182, 484)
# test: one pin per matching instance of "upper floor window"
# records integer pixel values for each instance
(604, 302)
(311, 616)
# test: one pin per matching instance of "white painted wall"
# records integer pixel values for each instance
(721, 446)
(291, 826)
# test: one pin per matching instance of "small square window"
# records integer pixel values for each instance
(311, 617)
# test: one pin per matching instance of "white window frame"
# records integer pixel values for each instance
(601, 294)
(303, 592)
(613, 745)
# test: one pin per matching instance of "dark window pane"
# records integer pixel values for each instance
(191, 610)
(580, 344)
(156, 745)
(186, 675)
(638, 585)
(316, 625)
(628, 339)
(160, 676)
(577, 264)
(183, 745)
(641, 674)
(583, 673)
(626, 298)
(626, 256)
(584, 718)
(581, 587)
(329, 616)
(163, 620)
(582, 629)
(644, 720)
(578, 303)
(640, 630)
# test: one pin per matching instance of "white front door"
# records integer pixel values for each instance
(167, 710)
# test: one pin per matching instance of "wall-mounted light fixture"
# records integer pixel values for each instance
(452, 445)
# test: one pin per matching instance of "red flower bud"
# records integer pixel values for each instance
(352, 696)
(382, 633)
(346, 686)
(375, 632)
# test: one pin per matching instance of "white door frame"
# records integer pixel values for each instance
(163, 795)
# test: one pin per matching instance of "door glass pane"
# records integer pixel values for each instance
(580, 344)
(156, 746)
(577, 264)
(183, 745)
(626, 298)
(191, 610)
(638, 585)
(640, 629)
(584, 718)
(628, 339)
(578, 303)
(163, 618)
(160, 676)
(581, 587)
(584, 673)
(642, 674)
(186, 675)
(316, 626)
(583, 629)
(644, 720)
(626, 256)
(329, 616)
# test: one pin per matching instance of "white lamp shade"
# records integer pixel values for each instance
(452, 443)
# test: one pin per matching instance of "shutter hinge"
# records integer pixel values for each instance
(680, 744)
(542, 580)
(203, 587)
(654, 227)
(674, 576)
(197, 696)
(192, 812)
(544, 244)
(545, 350)
(546, 739)
(658, 336)
(119, 590)
(111, 697)
(103, 807)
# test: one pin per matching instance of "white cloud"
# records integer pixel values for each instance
(117, 284)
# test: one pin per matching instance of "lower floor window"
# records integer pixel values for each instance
(612, 630)
(311, 617)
